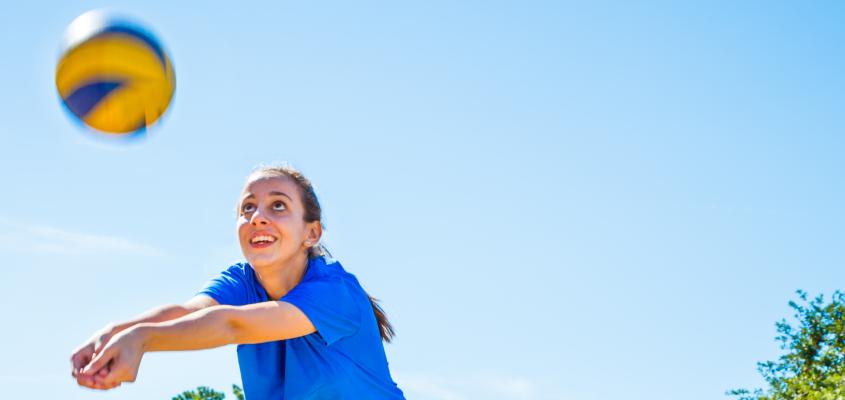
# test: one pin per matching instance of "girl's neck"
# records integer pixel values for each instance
(279, 279)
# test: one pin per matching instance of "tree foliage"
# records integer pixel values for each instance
(813, 366)
(239, 393)
(207, 393)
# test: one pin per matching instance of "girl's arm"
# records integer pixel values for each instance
(83, 355)
(222, 325)
(210, 327)
(166, 313)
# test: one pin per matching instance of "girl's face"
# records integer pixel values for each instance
(271, 227)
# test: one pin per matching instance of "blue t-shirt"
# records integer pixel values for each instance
(343, 359)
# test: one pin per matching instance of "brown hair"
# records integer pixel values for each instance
(313, 212)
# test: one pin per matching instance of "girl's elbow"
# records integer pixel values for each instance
(244, 326)
(228, 323)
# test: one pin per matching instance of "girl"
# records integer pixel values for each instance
(305, 328)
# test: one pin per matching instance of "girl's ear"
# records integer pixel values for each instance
(314, 233)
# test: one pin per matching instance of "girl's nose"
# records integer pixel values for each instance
(258, 218)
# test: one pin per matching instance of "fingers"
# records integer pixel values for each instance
(101, 342)
(88, 380)
(85, 380)
(116, 373)
(77, 365)
(99, 362)
(97, 380)
(102, 382)
(109, 367)
(90, 365)
(79, 361)
(82, 356)
(110, 380)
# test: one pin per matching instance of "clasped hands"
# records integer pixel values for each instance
(108, 358)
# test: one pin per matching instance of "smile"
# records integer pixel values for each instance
(262, 240)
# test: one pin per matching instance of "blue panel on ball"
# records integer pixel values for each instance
(83, 99)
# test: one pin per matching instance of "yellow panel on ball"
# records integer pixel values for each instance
(114, 75)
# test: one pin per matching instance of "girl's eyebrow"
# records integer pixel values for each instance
(280, 194)
(252, 196)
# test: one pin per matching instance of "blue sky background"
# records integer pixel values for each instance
(554, 200)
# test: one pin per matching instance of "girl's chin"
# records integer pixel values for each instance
(259, 262)
(265, 260)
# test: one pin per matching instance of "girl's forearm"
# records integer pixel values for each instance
(158, 314)
(203, 329)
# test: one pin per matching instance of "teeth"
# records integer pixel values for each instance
(262, 238)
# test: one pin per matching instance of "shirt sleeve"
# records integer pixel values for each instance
(228, 288)
(330, 305)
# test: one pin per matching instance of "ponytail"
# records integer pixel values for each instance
(384, 326)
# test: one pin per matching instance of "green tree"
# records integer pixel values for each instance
(239, 393)
(813, 366)
(206, 393)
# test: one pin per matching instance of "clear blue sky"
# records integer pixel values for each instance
(553, 200)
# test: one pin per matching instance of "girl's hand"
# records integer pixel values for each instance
(83, 355)
(118, 361)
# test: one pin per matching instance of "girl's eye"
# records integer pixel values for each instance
(247, 208)
(278, 206)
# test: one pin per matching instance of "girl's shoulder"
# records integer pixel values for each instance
(322, 268)
(241, 271)
(235, 285)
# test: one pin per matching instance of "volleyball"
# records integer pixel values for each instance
(113, 74)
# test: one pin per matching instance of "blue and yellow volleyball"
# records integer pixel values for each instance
(113, 74)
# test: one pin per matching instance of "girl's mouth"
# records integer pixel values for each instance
(261, 241)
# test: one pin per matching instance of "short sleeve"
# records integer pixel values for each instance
(330, 305)
(228, 288)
